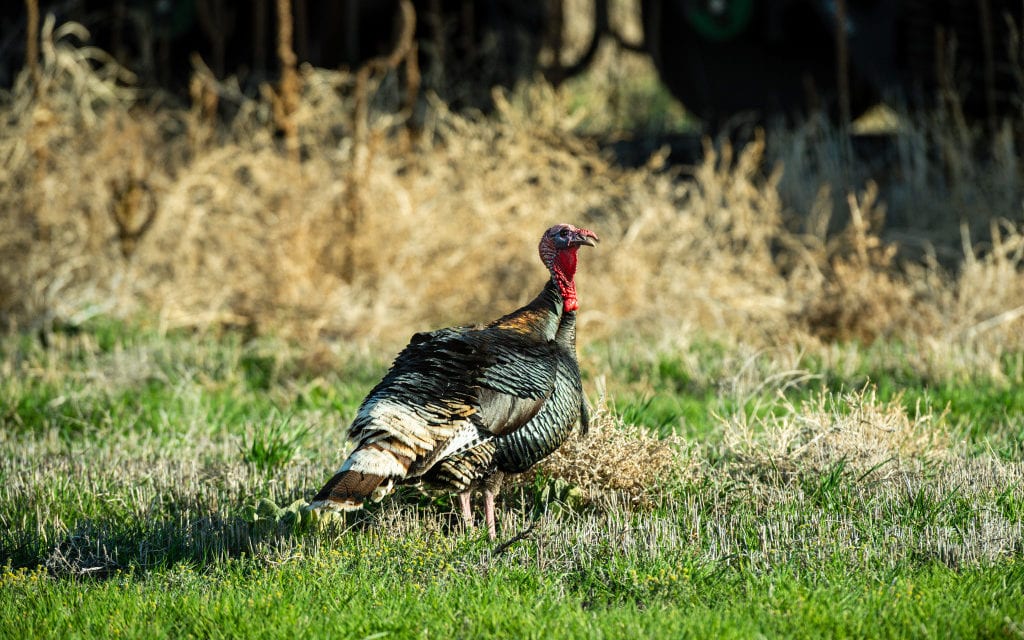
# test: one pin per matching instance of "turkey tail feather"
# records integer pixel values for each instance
(347, 490)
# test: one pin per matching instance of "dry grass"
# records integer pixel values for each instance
(119, 207)
(618, 459)
(869, 438)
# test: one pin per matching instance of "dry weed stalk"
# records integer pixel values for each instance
(217, 21)
(32, 43)
(286, 101)
(362, 149)
(204, 99)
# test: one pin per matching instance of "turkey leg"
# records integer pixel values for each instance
(491, 488)
(467, 509)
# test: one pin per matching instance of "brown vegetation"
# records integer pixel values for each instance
(199, 217)
(616, 459)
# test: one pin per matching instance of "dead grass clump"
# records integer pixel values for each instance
(58, 187)
(989, 304)
(82, 555)
(850, 285)
(869, 438)
(617, 458)
(946, 194)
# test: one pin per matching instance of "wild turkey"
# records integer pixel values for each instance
(462, 406)
(485, 465)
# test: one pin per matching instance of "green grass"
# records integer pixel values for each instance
(273, 446)
(688, 393)
(431, 591)
(144, 480)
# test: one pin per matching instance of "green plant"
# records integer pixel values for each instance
(273, 444)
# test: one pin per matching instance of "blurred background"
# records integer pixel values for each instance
(353, 170)
(719, 58)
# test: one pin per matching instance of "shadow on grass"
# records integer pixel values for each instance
(98, 549)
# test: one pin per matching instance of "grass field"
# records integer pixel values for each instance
(807, 370)
(150, 485)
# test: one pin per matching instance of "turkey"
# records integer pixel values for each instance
(515, 452)
(462, 406)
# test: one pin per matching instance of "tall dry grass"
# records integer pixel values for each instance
(198, 217)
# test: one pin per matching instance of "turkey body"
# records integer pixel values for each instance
(462, 406)
(545, 432)
(449, 396)
(520, 449)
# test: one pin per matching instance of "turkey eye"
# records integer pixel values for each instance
(563, 233)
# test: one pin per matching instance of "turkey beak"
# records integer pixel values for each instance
(585, 237)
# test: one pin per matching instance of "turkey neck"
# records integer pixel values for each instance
(566, 336)
(539, 318)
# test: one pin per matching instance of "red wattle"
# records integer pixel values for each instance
(565, 270)
(570, 304)
(565, 262)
